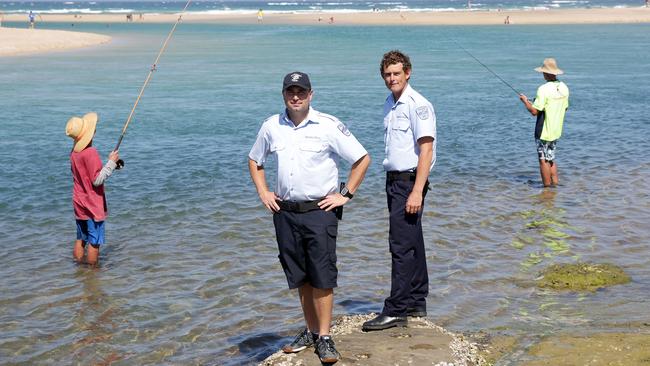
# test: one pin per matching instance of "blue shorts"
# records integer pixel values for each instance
(307, 245)
(91, 231)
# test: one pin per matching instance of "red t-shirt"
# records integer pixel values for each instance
(89, 202)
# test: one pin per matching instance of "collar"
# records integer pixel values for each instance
(405, 94)
(311, 118)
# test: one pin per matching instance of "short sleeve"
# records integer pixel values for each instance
(540, 99)
(424, 121)
(260, 149)
(93, 164)
(345, 145)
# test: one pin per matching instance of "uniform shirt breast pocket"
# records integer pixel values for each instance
(402, 125)
(277, 147)
(312, 148)
(400, 132)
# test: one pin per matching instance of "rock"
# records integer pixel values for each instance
(421, 343)
(581, 276)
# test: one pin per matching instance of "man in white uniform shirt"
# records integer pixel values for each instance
(307, 145)
(410, 137)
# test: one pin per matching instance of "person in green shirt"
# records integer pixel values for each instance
(549, 106)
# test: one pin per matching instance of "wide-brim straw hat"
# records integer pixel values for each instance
(550, 67)
(81, 130)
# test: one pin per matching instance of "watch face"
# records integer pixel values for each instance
(345, 191)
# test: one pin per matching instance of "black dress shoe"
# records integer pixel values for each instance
(416, 312)
(382, 322)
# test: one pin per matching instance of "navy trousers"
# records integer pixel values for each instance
(409, 276)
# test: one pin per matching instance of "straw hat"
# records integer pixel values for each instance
(81, 130)
(550, 67)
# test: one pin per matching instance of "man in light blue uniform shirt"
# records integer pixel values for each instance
(307, 146)
(410, 137)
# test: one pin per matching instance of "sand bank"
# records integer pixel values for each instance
(492, 17)
(23, 41)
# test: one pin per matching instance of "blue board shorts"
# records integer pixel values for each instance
(91, 231)
(546, 150)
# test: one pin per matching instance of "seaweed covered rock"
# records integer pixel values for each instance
(582, 276)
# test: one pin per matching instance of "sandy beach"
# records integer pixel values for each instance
(22, 41)
(25, 41)
(492, 17)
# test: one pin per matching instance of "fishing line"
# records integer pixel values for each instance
(487, 68)
(120, 163)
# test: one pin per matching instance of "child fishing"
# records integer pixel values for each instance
(88, 198)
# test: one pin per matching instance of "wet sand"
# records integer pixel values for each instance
(26, 41)
(490, 17)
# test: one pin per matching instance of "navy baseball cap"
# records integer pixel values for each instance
(296, 78)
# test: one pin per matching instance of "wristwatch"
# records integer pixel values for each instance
(345, 192)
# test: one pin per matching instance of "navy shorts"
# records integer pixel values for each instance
(91, 231)
(307, 246)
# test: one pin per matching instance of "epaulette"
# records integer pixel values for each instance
(328, 117)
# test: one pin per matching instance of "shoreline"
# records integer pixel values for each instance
(386, 18)
(18, 41)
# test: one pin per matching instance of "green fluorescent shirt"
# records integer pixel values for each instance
(553, 99)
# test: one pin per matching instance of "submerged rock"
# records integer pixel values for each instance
(605, 349)
(582, 276)
(421, 343)
(598, 349)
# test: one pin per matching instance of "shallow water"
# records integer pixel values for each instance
(190, 275)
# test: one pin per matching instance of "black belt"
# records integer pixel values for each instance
(394, 175)
(298, 206)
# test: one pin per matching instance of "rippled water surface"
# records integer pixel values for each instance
(190, 275)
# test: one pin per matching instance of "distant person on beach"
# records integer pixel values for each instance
(32, 19)
(410, 136)
(549, 106)
(260, 16)
(88, 198)
(507, 20)
(307, 146)
(331, 20)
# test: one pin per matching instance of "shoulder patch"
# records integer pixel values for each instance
(422, 112)
(344, 130)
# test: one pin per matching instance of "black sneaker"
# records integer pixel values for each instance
(326, 350)
(303, 340)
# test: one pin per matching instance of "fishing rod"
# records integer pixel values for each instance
(120, 162)
(487, 68)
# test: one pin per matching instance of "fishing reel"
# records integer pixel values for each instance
(119, 164)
